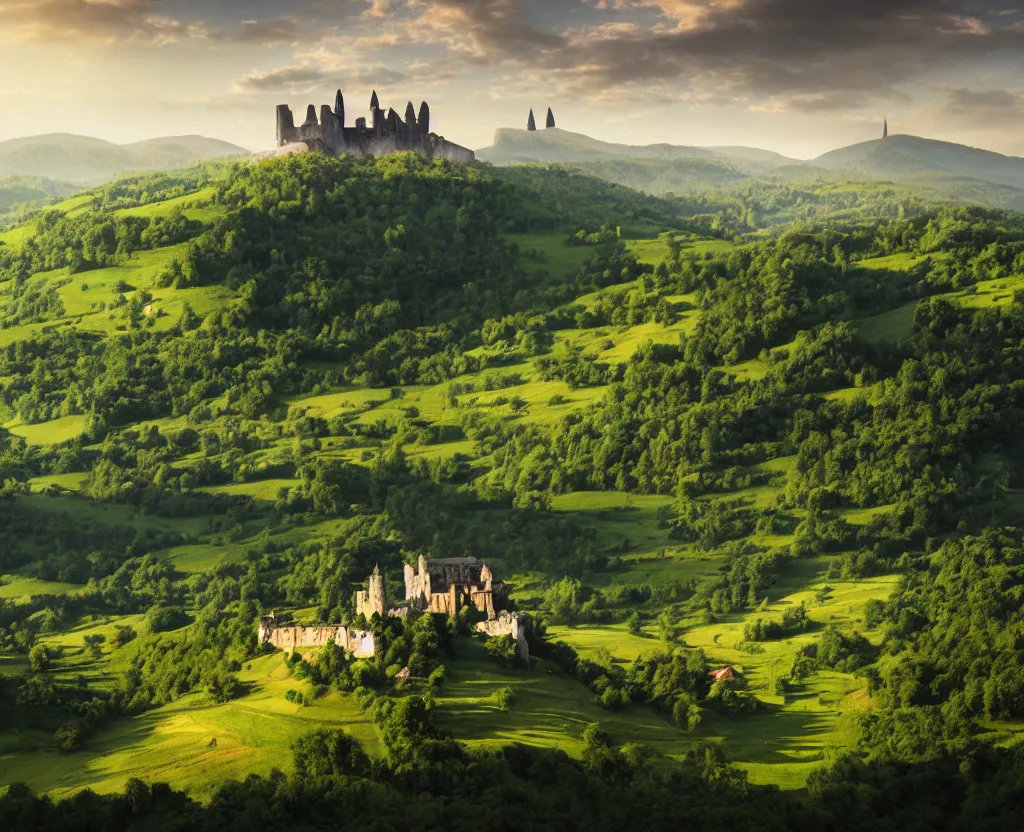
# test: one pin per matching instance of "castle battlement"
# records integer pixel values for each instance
(383, 134)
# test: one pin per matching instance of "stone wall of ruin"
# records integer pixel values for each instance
(509, 624)
(359, 643)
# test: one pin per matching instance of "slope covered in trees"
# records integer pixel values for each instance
(776, 431)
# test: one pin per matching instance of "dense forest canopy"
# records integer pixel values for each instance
(809, 396)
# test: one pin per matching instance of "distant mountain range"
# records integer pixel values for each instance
(952, 169)
(86, 161)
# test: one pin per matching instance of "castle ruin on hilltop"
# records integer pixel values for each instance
(383, 134)
(444, 586)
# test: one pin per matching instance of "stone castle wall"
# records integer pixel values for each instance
(509, 624)
(359, 643)
(385, 135)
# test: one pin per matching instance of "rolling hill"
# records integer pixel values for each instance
(89, 161)
(556, 145)
(939, 169)
(900, 157)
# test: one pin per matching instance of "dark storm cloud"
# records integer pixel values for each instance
(791, 47)
(813, 48)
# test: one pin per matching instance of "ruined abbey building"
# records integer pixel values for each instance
(383, 134)
(444, 585)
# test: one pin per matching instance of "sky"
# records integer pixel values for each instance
(796, 76)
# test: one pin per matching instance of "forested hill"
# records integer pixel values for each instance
(775, 429)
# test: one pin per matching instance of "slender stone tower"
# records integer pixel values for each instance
(551, 119)
(424, 120)
(885, 128)
(378, 594)
(412, 131)
(531, 123)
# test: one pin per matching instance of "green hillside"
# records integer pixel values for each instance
(773, 427)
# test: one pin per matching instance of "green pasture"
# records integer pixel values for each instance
(651, 252)
(197, 206)
(14, 237)
(893, 262)
(797, 732)
(67, 482)
(172, 744)
(14, 587)
(988, 293)
(551, 711)
(49, 433)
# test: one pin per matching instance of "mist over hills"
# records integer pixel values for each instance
(557, 145)
(83, 160)
(951, 170)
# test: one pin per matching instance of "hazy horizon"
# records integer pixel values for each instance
(784, 75)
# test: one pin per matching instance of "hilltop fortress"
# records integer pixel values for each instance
(381, 135)
(445, 586)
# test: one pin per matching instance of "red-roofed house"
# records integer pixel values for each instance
(725, 674)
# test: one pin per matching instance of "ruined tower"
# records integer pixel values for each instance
(551, 119)
(531, 123)
(376, 116)
(410, 120)
(311, 116)
(285, 124)
(374, 601)
(339, 107)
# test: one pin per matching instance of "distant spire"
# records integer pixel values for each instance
(885, 128)
(374, 101)
(410, 116)
(551, 119)
(531, 124)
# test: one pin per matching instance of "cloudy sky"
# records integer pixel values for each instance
(796, 76)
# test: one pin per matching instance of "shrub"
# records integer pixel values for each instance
(506, 697)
